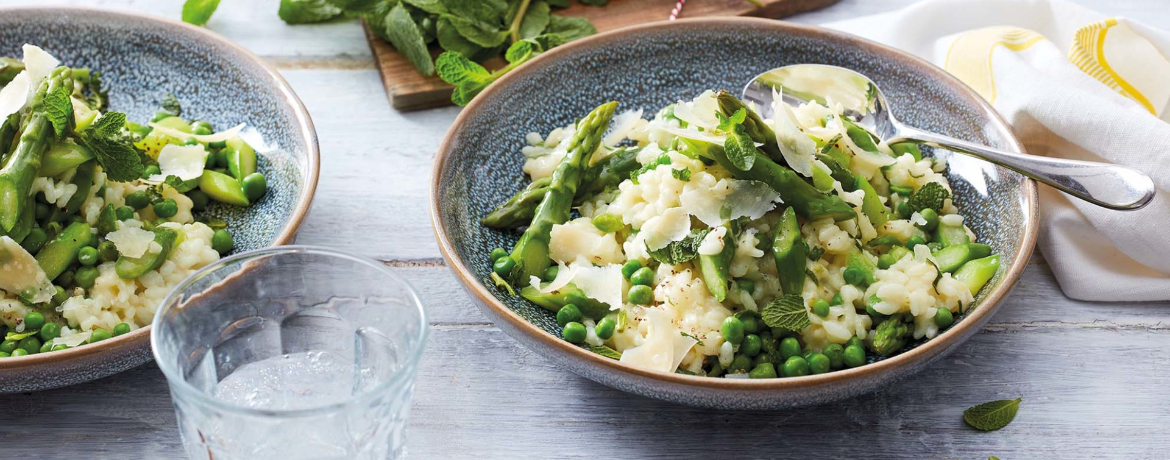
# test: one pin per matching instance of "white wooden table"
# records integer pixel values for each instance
(1095, 378)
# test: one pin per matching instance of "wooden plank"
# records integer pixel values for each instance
(410, 90)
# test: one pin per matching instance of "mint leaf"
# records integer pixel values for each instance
(683, 174)
(198, 12)
(469, 78)
(520, 51)
(535, 20)
(728, 123)
(355, 6)
(931, 195)
(680, 251)
(477, 32)
(59, 110)
(403, 33)
(307, 11)
(450, 40)
(430, 6)
(180, 185)
(606, 352)
(113, 151)
(740, 148)
(991, 416)
(170, 104)
(570, 28)
(786, 312)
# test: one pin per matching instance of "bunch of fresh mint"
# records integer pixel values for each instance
(468, 31)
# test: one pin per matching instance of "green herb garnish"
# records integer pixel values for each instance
(991, 416)
(786, 312)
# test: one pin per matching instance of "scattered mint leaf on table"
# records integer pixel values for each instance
(198, 12)
(991, 416)
(307, 11)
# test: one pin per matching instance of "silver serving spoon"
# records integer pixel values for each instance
(1103, 184)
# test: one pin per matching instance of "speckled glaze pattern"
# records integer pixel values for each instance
(142, 59)
(479, 165)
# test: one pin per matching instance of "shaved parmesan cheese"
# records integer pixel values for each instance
(700, 111)
(20, 274)
(917, 219)
(130, 241)
(579, 239)
(694, 134)
(204, 138)
(565, 275)
(728, 199)
(603, 284)
(668, 227)
(184, 161)
(38, 64)
(664, 347)
(796, 147)
(72, 340)
(713, 243)
(14, 96)
(621, 126)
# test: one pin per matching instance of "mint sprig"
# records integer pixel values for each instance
(113, 151)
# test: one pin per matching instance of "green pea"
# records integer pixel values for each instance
(166, 209)
(65, 278)
(30, 344)
(497, 253)
(854, 275)
(34, 320)
(221, 242)
(818, 363)
(914, 241)
(121, 328)
(190, 141)
(151, 170)
(255, 186)
(886, 261)
(763, 371)
(741, 363)
(836, 354)
(503, 266)
(943, 318)
(35, 240)
(608, 223)
(199, 200)
(837, 300)
(46, 347)
(605, 328)
(568, 314)
(42, 211)
(59, 347)
(99, 335)
(640, 295)
(854, 355)
(789, 347)
(4, 354)
(217, 144)
(904, 211)
(574, 332)
(869, 309)
(8, 345)
(86, 277)
(107, 251)
(124, 212)
(751, 345)
(820, 308)
(19, 352)
(551, 273)
(751, 323)
(630, 267)
(159, 116)
(137, 200)
(855, 340)
(60, 296)
(644, 276)
(931, 217)
(732, 330)
(795, 367)
(88, 256)
(746, 285)
(201, 128)
(50, 331)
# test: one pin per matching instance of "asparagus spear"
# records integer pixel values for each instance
(8, 130)
(20, 168)
(791, 253)
(9, 68)
(890, 335)
(570, 294)
(716, 268)
(794, 191)
(606, 173)
(531, 252)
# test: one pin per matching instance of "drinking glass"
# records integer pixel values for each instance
(291, 353)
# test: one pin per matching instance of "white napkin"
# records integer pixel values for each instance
(1073, 84)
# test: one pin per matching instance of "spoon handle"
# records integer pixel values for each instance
(1103, 184)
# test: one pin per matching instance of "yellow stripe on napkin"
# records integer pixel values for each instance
(1112, 53)
(970, 55)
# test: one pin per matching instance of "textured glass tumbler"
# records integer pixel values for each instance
(291, 353)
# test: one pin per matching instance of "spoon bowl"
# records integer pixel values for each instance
(1103, 184)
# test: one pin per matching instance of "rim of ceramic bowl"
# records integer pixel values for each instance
(141, 336)
(973, 319)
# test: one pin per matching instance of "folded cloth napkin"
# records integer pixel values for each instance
(1073, 84)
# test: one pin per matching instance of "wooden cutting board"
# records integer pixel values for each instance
(409, 90)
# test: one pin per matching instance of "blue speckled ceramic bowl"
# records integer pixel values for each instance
(648, 67)
(141, 59)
